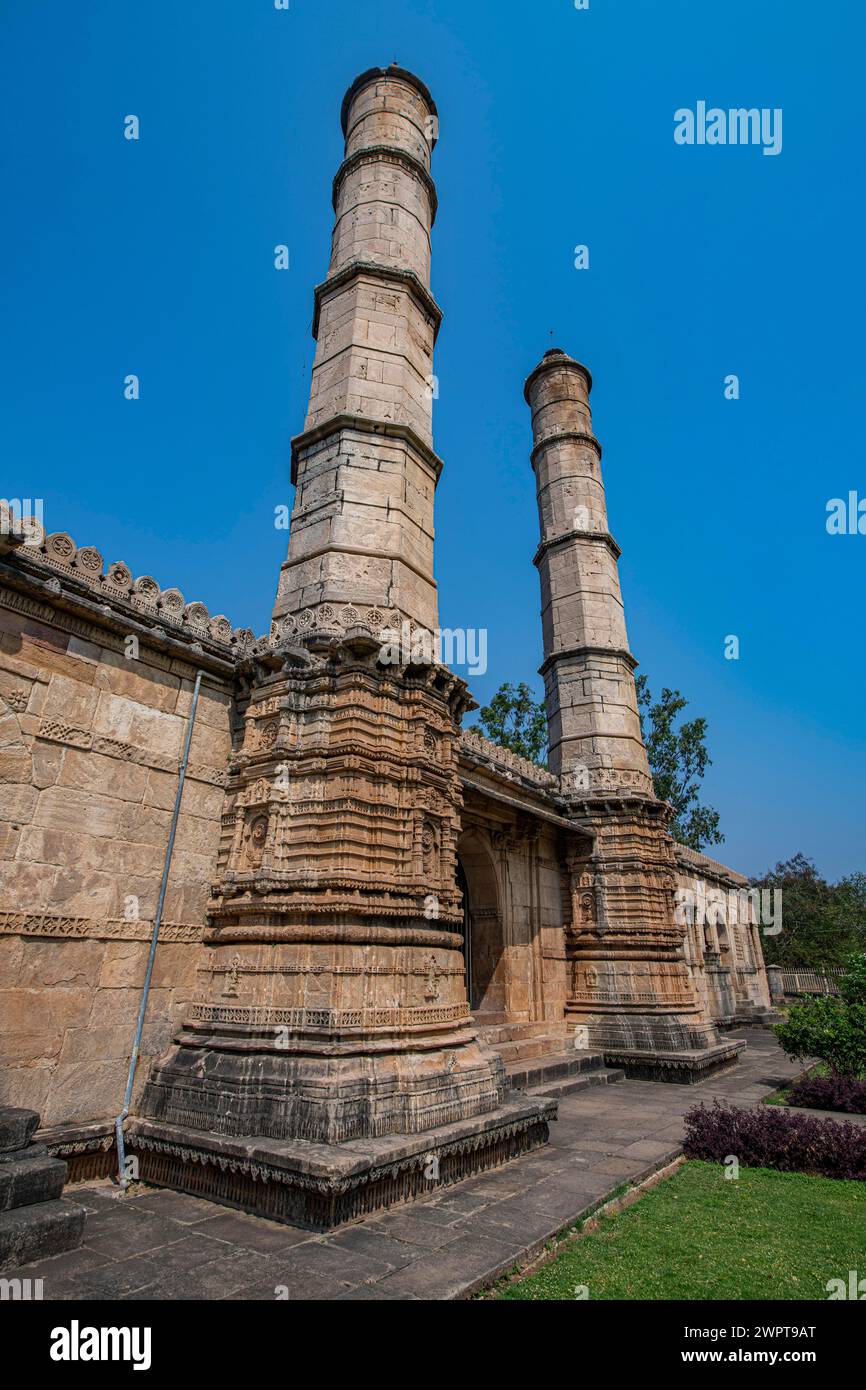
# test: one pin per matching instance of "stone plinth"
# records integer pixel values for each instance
(322, 1185)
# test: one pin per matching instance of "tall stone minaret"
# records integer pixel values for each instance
(595, 738)
(630, 987)
(333, 1006)
(362, 524)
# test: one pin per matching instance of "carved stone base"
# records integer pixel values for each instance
(661, 1047)
(321, 1098)
(88, 1150)
(683, 1067)
(321, 1186)
(753, 1016)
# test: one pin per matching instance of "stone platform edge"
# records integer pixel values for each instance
(683, 1068)
(320, 1186)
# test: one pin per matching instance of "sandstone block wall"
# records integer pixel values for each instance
(89, 750)
(513, 869)
(722, 944)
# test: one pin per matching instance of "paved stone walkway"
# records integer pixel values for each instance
(163, 1245)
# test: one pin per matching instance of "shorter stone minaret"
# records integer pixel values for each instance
(630, 986)
(595, 738)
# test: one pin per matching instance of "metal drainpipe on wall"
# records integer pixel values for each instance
(145, 989)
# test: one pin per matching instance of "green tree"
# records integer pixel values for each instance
(822, 923)
(515, 720)
(832, 1028)
(678, 759)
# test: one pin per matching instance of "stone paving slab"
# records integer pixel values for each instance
(165, 1245)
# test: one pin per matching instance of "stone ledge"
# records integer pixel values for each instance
(389, 154)
(576, 534)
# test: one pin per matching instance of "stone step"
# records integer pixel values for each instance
(16, 1127)
(760, 1018)
(528, 1049)
(33, 1233)
(570, 1085)
(36, 1178)
(494, 1034)
(553, 1067)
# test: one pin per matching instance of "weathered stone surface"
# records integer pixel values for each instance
(33, 1221)
(33, 1233)
(16, 1127)
(30, 1178)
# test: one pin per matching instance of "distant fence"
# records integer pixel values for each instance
(810, 981)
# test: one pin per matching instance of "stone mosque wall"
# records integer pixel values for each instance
(90, 742)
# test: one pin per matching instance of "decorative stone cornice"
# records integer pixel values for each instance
(616, 653)
(387, 154)
(479, 750)
(565, 436)
(577, 535)
(71, 736)
(89, 928)
(394, 275)
(328, 933)
(328, 1020)
(363, 424)
(66, 574)
(691, 861)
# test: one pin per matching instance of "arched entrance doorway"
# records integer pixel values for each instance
(482, 927)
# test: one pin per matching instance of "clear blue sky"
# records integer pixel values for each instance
(557, 125)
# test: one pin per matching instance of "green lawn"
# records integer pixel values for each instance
(765, 1235)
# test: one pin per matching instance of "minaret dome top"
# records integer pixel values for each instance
(555, 359)
(377, 75)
